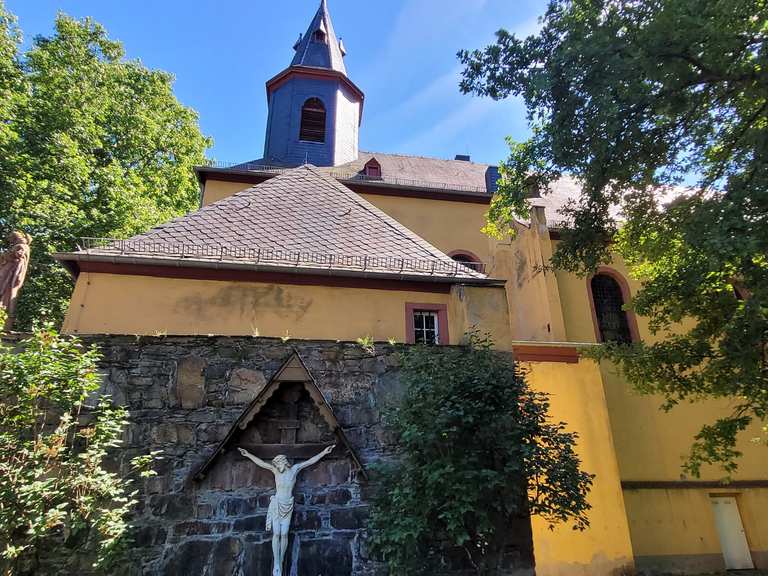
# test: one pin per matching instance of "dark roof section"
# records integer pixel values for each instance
(457, 178)
(328, 53)
(458, 175)
(300, 220)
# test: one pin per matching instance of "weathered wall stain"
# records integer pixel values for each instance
(247, 300)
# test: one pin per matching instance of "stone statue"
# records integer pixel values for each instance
(13, 269)
(281, 504)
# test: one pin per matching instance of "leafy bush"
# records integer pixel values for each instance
(57, 492)
(477, 452)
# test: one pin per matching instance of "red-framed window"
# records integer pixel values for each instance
(372, 168)
(426, 323)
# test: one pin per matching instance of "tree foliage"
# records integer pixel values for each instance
(91, 144)
(57, 492)
(633, 97)
(477, 452)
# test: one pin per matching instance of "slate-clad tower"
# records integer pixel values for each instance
(314, 109)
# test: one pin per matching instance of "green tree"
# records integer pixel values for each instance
(58, 494)
(477, 454)
(631, 98)
(97, 146)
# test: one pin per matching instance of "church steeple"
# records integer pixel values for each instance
(319, 47)
(314, 108)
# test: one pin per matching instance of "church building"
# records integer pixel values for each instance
(317, 240)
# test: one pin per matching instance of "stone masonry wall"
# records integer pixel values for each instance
(185, 393)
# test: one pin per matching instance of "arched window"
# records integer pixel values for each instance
(312, 121)
(468, 259)
(608, 301)
(372, 168)
(319, 36)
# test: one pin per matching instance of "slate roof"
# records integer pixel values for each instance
(436, 172)
(302, 218)
(328, 54)
(457, 176)
(412, 171)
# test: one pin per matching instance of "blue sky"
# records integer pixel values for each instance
(401, 53)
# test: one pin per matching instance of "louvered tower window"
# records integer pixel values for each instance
(611, 318)
(312, 121)
(319, 36)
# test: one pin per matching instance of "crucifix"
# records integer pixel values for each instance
(281, 504)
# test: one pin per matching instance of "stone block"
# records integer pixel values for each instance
(185, 434)
(164, 434)
(156, 484)
(172, 506)
(240, 506)
(352, 518)
(306, 520)
(146, 536)
(190, 382)
(204, 511)
(250, 524)
(212, 432)
(244, 385)
(188, 558)
(257, 558)
(199, 528)
(216, 371)
(224, 559)
(338, 497)
(328, 472)
(325, 557)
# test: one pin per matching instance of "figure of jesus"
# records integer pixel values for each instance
(281, 504)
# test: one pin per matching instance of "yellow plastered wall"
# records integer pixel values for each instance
(125, 304)
(532, 292)
(651, 444)
(670, 528)
(481, 308)
(678, 525)
(216, 190)
(576, 394)
(446, 225)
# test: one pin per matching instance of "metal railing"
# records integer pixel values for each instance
(281, 257)
(357, 177)
(350, 176)
(250, 166)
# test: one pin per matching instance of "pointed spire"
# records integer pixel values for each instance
(319, 47)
